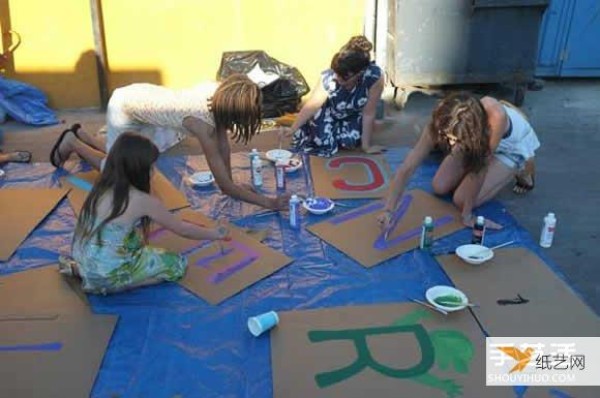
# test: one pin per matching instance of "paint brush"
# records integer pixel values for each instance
(441, 311)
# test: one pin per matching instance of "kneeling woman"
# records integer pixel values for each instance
(486, 144)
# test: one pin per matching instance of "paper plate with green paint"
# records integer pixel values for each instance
(447, 298)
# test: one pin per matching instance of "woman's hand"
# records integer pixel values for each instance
(384, 220)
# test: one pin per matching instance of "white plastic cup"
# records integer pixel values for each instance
(263, 322)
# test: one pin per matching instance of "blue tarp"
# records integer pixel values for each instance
(171, 343)
(25, 103)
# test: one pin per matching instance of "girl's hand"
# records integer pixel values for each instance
(222, 230)
(285, 132)
(281, 202)
(374, 149)
(384, 220)
(469, 221)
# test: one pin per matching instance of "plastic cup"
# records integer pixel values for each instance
(263, 322)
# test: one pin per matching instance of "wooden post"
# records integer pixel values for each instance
(100, 50)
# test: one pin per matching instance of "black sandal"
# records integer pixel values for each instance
(54, 153)
(522, 186)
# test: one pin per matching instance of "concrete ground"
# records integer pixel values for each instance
(566, 116)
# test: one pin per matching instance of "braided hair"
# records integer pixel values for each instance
(463, 116)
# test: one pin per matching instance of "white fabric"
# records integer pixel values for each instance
(156, 112)
(522, 140)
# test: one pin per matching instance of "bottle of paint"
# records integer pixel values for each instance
(426, 234)
(548, 230)
(254, 153)
(295, 212)
(256, 167)
(280, 175)
(478, 231)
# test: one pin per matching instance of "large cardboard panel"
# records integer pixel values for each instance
(40, 291)
(217, 271)
(358, 234)
(57, 357)
(351, 176)
(172, 198)
(21, 210)
(552, 309)
(335, 352)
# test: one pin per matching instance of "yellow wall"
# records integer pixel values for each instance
(174, 43)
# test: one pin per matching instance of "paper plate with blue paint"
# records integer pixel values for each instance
(318, 205)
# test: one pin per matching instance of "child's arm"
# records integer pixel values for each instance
(153, 208)
(206, 136)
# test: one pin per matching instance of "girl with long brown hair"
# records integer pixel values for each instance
(212, 112)
(486, 143)
(340, 114)
(110, 251)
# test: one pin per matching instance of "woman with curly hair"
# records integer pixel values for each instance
(212, 112)
(486, 144)
(341, 111)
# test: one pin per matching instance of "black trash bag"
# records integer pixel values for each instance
(282, 85)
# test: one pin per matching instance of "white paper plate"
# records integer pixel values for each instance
(318, 205)
(201, 179)
(278, 154)
(480, 253)
(438, 291)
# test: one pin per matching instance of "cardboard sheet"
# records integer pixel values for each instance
(215, 275)
(552, 309)
(21, 210)
(350, 176)
(40, 291)
(398, 350)
(57, 357)
(357, 233)
(81, 183)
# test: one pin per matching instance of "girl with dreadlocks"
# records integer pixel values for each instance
(211, 112)
(486, 144)
(110, 251)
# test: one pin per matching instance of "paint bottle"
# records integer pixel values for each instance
(256, 168)
(548, 230)
(478, 231)
(254, 153)
(280, 175)
(426, 234)
(295, 212)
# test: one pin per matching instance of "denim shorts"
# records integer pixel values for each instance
(511, 160)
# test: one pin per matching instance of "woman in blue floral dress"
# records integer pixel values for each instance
(340, 113)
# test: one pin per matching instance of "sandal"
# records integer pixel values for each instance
(522, 186)
(55, 157)
(22, 156)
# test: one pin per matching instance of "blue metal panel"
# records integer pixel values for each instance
(553, 37)
(570, 39)
(582, 53)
